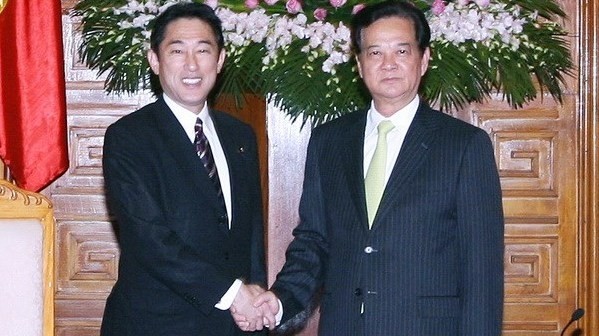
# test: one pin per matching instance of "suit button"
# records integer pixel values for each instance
(369, 249)
(227, 256)
(358, 292)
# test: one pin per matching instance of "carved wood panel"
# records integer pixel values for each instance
(87, 252)
(534, 149)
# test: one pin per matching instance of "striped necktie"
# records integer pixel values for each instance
(205, 153)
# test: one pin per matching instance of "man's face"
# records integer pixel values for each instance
(188, 62)
(391, 64)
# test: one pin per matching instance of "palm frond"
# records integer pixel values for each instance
(294, 76)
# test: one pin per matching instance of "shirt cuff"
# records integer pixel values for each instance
(227, 300)
(279, 315)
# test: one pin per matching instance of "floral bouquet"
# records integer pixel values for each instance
(298, 53)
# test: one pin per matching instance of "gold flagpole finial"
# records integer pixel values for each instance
(2, 4)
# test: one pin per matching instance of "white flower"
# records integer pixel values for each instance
(478, 23)
(212, 3)
(142, 20)
(125, 25)
(493, 25)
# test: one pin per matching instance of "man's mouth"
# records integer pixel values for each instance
(192, 81)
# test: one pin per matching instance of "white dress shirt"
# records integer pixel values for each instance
(395, 138)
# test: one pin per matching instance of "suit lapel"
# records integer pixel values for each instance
(183, 151)
(354, 166)
(414, 151)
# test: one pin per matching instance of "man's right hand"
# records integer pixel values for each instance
(254, 308)
(269, 304)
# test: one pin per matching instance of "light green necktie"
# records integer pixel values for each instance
(375, 177)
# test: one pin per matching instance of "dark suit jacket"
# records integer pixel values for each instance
(177, 255)
(432, 263)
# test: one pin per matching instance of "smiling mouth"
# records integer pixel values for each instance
(191, 81)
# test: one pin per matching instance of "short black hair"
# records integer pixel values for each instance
(186, 10)
(386, 9)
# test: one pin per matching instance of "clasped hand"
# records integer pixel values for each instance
(254, 308)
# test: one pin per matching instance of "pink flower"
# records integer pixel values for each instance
(482, 3)
(463, 2)
(438, 7)
(337, 3)
(320, 14)
(251, 4)
(212, 3)
(271, 2)
(293, 6)
(357, 8)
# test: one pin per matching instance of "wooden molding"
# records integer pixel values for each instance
(589, 165)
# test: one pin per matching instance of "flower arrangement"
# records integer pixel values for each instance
(297, 53)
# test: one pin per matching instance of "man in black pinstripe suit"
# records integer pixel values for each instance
(431, 260)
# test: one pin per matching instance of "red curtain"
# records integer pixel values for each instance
(33, 140)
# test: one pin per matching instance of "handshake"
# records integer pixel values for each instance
(254, 308)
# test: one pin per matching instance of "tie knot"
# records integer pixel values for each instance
(199, 124)
(385, 127)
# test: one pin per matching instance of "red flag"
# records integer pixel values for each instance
(33, 141)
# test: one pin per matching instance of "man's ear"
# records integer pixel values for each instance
(357, 56)
(221, 60)
(426, 56)
(154, 62)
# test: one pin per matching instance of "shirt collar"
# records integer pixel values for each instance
(187, 119)
(401, 119)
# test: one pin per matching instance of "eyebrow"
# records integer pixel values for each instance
(200, 42)
(397, 44)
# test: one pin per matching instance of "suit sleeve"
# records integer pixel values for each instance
(481, 227)
(144, 236)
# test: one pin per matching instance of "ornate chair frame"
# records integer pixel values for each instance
(19, 204)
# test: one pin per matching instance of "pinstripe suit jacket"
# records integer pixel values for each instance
(178, 256)
(432, 264)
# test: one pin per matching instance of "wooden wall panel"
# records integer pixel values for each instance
(535, 151)
(87, 251)
(252, 110)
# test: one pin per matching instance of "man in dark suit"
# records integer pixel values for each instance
(183, 182)
(428, 259)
